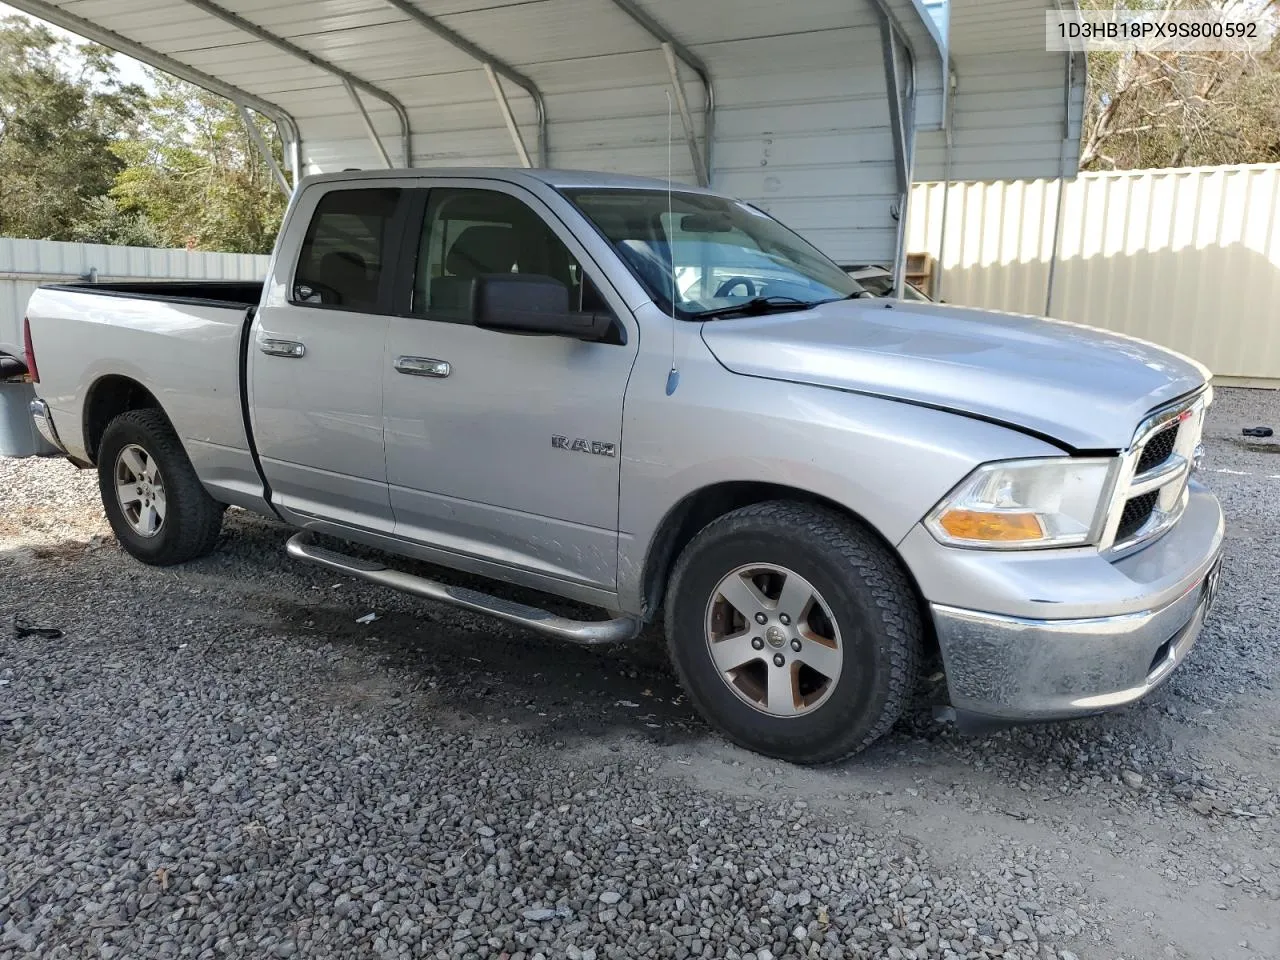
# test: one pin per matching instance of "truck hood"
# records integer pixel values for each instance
(1086, 388)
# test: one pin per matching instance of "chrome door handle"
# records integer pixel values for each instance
(423, 367)
(282, 348)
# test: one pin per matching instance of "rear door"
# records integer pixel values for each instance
(316, 355)
(499, 446)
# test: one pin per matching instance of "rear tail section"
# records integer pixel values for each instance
(29, 351)
(26, 428)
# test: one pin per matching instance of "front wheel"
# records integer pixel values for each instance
(794, 631)
(157, 507)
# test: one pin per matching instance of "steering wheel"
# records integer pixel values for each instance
(728, 285)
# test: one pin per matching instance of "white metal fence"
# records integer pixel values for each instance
(1187, 258)
(25, 264)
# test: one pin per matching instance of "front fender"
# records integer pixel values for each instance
(885, 461)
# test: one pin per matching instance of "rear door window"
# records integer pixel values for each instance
(349, 251)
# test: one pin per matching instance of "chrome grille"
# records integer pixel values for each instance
(1158, 449)
(1151, 490)
(1136, 512)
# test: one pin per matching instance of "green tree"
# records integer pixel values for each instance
(105, 221)
(194, 176)
(1171, 109)
(62, 109)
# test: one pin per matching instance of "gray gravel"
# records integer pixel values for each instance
(218, 760)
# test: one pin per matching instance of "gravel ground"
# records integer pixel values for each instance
(218, 760)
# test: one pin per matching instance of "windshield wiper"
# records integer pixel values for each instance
(755, 307)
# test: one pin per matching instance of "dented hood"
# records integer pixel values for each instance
(1086, 388)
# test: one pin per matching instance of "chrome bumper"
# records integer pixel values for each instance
(1019, 668)
(43, 418)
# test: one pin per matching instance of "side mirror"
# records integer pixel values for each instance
(533, 304)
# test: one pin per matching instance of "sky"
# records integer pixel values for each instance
(131, 71)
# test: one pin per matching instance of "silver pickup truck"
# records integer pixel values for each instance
(658, 401)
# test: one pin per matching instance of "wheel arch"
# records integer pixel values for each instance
(108, 397)
(694, 512)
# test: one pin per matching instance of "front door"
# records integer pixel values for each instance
(316, 357)
(500, 446)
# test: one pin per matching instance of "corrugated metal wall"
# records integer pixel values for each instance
(1188, 258)
(25, 264)
(805, 136)
(1008, 102)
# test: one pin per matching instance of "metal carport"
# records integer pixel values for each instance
(810, 109)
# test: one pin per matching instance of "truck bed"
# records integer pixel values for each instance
(183, 342)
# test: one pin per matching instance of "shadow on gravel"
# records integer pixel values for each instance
(486, 672)
(478, 667)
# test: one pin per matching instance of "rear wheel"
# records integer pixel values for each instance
(157, 507)
(794, 631)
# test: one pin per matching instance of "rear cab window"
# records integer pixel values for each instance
(348, 254)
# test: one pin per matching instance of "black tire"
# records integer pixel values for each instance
(192, 518)
(871, 601)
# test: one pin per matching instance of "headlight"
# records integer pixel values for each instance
(1026, 503)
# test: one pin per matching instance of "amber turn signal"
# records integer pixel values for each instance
(987, 527)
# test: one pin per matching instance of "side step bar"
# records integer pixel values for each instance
(589, 633)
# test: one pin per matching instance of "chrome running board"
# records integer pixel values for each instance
(589, 633)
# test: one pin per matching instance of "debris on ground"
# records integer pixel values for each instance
(22, 627)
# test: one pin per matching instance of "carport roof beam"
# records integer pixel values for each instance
(1055, 250)
(489, 62)
(280, 43)
(686, 120)
(903, 133)
(293, 150)
(695, 62)
(887, 15)
(109, 38)
(260, 144)
(378, 145)
(508, 117)
(893, 88)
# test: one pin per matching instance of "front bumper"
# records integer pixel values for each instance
(1009, 666)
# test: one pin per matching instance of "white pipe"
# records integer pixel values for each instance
(368, 124)
(1062, 182)
(903, 140)
(263, 148)
(507, 115)
(946, 190)
(686, 118)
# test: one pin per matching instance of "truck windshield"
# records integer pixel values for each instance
(712, 253)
